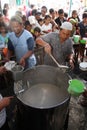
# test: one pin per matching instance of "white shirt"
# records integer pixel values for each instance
(2, 115)
(46, 27)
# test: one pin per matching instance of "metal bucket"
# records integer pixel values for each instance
(17, 71)
(45, 102)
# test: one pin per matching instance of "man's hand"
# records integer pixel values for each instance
(4, 102)
(71, 62)
(2, 69)
(22, 62)
(47, 49)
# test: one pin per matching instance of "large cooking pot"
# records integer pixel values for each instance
(45, 102)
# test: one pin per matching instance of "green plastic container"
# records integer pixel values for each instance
(82, 41)
(76, 39)
(76, 87)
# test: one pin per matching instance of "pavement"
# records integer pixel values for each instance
(77, 115)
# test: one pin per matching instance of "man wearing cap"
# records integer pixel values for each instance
(21, 42)
(59, 44)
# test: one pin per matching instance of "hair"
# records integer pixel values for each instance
(60, 11)
(5, 12)
(17, 18)
(44, 7)
(38, 13)
(51, 10)
(6, 6)
(34, 11)
(4, 25)
(47, 16)
(37, 29)
(32, 6)
(40, 20)
(65, 15)
(19, 13)
(24, 17)
(27, 23)
(84, 15)
(74, 11)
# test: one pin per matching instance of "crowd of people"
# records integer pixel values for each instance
(34, 24)
(50, 29)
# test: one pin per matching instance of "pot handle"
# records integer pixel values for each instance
(69, 81)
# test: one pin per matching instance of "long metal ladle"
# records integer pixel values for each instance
(60, 66)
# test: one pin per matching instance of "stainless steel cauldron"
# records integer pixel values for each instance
(45, 102)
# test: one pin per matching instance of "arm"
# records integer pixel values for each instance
(71, 57)
(2, 69)
(71, 60)
(30, 43)
(44, 44)
(4, 102)
(10, 49)
(71, 54)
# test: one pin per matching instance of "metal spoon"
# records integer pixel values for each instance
(60, 66)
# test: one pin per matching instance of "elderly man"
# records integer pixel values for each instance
(21, 42)
(59, 44)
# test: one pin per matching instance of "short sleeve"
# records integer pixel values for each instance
(30, 43)
(10, 46)
(47, 37)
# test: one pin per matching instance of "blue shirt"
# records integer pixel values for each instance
(21, 45)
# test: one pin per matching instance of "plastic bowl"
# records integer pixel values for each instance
(74, 92)
(76, 87)
(82, 41)
(76, 39)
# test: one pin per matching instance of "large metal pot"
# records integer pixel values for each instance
(45, 102)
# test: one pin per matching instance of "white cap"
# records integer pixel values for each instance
(67, 26)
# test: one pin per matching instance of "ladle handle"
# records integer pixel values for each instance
(54, 60)
(60, 66)
(69, 81)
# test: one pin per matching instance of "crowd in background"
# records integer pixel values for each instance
(45, 21)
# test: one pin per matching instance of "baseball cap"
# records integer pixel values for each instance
(67, 26)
